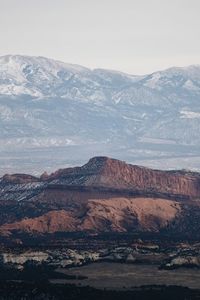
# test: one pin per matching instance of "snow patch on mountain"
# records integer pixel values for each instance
(189, 115)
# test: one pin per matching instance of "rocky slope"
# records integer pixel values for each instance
(114, 214)
(104, 195)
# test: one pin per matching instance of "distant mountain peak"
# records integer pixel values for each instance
(41, 61)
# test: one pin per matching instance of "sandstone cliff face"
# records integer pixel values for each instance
(115, 173)
(112, 173)
(104, 195)
(129, 214)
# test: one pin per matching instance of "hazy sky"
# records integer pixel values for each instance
(135, 36)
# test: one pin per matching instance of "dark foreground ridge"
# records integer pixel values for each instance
(44, 290)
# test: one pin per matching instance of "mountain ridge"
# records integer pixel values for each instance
(50, 67)
(46, 107)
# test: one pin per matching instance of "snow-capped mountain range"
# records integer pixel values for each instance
(50, 110)
(43, 77)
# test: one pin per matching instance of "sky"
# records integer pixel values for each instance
(134, 36)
